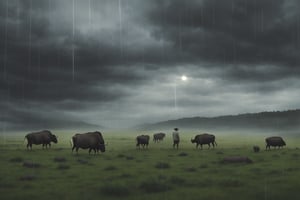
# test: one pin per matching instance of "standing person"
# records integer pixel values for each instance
(176, 138)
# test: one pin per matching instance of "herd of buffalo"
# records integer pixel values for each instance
(94, 140)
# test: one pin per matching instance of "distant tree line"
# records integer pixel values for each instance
(276, 120)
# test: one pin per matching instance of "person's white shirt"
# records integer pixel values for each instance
(176, 136)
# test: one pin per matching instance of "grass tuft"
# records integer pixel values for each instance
(60, 159)
(110, 168)
(82, 161)
(154, 186)
(16, 159)
(275, 156)
(115, 190)
(126, 175)
(183, 154)
(121, 156)
(27, 178)
(295, 155)
(230, 183)
(177, 180)
(203, 166)
(190, 169)
(63, 167)
(31, 165)
(129, 157)
(162, 165)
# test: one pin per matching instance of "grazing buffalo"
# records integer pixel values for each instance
(44, 137)
(275, 142)
(142, 140)
(91, 140)
(158, 137)
(204, 139)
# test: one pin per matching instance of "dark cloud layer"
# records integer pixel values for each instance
(115, 62)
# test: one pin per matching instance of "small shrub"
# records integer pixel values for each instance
(110, 168)
(4, 185)
(183, 154)
(203, 166)
(295, 155)
(177, 180)
(275, 172)
(190, 169)
(205, 183)
(121, 156)
(162, 165)
(16, 159)
(154, 186)
(125, 175)
(161, 177)
(31, 165)
(63, 167)
(115, 190)
(28, 178)
(59, 159)
(291, 169)
(82, 161)
(129, 157)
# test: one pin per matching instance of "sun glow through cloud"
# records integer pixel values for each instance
(183, 78)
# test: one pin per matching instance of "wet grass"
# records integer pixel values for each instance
(159, 172)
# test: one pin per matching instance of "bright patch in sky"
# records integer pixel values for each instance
(183, 78)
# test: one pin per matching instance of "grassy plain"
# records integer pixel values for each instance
(159, 172)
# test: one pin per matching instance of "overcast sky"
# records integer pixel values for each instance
(117, 63)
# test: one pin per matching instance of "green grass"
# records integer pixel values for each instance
(159, 172)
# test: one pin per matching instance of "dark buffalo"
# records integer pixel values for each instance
(275, 142)
(142, 140)
(91, 140)
(44, 137)
(158, 137)
(204, 139)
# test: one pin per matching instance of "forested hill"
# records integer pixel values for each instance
(278, 120)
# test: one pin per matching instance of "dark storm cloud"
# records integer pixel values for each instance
(36, 53)
(126, 55)
(39, 60)
(226, 32)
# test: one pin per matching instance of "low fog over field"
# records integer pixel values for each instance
(68, 64)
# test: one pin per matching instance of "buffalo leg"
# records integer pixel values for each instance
(73, 148)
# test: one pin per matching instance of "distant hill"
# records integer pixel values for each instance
(278, 120)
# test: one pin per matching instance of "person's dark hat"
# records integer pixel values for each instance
(176, 129)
